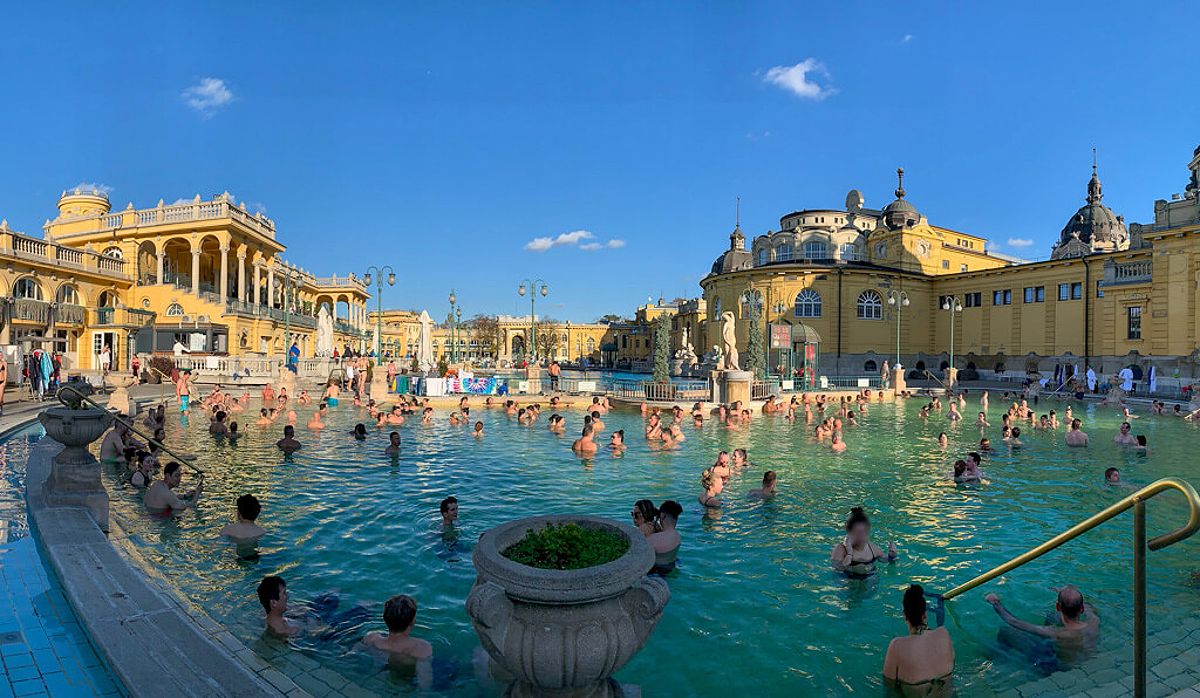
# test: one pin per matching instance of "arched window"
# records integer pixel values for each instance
(175, 310)
(114, 252)
(870, 306)
(816, 249)
(808, 303)
(591, 345)
(763, 257)
(716, 307)
(783, 253)
(68, 294)
(27, 287)
(109, 300)
(849, 251)
(870, 367)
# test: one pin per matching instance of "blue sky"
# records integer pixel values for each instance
(448, 139)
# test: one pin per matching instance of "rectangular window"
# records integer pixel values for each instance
(945, 264)
(1134, 315)
(1028, 294)
(1076, 291)
(1035, 294)
(1099, 290)
(972, 300)
(1002, 297)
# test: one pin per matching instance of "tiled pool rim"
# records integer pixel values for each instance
(244, 673)
(138, 624)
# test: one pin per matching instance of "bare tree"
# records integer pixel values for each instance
(485, 329)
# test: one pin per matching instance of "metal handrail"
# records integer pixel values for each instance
(939, 381)
(129, 425)
(1137, 502)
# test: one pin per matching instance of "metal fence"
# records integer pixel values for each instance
(676, 391)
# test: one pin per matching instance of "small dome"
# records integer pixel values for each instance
(1094, 225)
(900, 213)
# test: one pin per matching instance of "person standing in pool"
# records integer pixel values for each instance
(1076, 436)
(245, 528)
(399, 615)
(3, 382)
(160, 497)
(289, 444)
(183, 391)
(1070, 640)
(393, 447)
(666, 539)
(856, 555)
(922, 662)
(449, 511)
(767, 491)
(713, 485)
(584, 445)
(645, 517)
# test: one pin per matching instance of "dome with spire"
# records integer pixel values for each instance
(1093, 228)
(900, 213)
(736, 257)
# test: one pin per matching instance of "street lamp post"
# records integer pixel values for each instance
(378, 273)
(952, 305)
(535, 286)
(453, 344)
(778, 308)
(900, 300)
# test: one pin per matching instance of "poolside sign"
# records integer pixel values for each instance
(781, 336)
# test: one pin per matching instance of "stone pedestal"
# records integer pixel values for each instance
(898, 383)
(735, 387)
(287, 381)
(74, 479)
(119, 399)
(379, 385)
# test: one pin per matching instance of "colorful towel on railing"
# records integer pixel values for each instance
(472, 386)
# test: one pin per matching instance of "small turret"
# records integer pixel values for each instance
(82, 201)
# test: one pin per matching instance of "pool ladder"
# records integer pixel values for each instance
(1137, 502)
(128, 424)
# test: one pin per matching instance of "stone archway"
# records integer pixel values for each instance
(517, 348)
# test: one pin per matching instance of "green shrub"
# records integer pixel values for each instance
(567, 547)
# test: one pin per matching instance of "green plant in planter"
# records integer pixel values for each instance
(567, 547)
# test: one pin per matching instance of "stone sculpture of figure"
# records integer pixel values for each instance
(729, 352)
(324, 332)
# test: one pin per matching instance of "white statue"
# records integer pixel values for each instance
(424, 343)
(324, 332)
(729, 352)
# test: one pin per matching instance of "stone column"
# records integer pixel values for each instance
(162, 263)
(271, 286)
(242, 275)
(224, 286)
(196, 272)
(257, 281)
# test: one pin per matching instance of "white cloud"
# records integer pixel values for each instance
(907, 38)
(797, 79)
(207, 96)
(1019, 242)
(582, 239)
(93, 186)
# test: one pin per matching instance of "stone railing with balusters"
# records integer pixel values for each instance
(277, 314)
(338, 281)
(35, 250)
(122, 317)
(69, 314)
(195, 210)
(31, 310)
(1119, 273)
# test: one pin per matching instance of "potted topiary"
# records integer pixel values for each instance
(563, 602)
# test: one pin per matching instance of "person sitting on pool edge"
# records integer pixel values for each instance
(289, 444)
(245, 528)
(449, 511)
(856, 555)
(666, 540)
(399, 615)
(923, 659)
(1071, 639)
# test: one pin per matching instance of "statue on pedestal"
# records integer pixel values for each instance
(729, 352)
(324, 333)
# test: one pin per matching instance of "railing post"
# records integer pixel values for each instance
(1139, 599)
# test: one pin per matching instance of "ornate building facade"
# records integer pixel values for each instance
(874, 284)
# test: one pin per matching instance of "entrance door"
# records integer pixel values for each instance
(100, 340)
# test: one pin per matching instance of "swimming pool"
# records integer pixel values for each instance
(754, 602)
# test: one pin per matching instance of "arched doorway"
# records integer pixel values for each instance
(518, 349)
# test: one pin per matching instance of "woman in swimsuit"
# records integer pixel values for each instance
(712, 485)
(922, 662)
(645, 516)
(856, 554)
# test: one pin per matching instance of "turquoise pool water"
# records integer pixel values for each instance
(754, 603)
(43, 649)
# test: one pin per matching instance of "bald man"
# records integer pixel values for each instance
(1072, 636)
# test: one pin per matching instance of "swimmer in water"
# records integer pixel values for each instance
(1112, 476)
(1124, 437)
(645, 517)
(982, 421)
(856, 555)
(449, 511)
(359, 432)
(1076, 436)
(767, 491)
(316, 423)
(835, 442)
(478, 433)
(1070, 640)
(617, 441)
(943, 441)
(393, 447)
(245, 528)
(584, 445)
(288, 444)
(712, 485)
(921, 662)
(399, 615)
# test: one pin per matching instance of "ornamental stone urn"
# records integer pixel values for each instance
(119, 399)
(74, 479)
(564, 633)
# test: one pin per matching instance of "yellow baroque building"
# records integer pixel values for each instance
(207, 274)
(874, 285)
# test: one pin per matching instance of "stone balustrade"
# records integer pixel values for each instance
(195, 210)
(31, 249)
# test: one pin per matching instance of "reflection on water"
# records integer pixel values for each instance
(753, 584)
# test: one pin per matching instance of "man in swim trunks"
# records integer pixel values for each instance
(584, 445)
(182, 390)
(160, 497)
(115, 442)
(1070, 640)
(399, 615)
(245, 528)
(1124, 437)
(666, 541)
